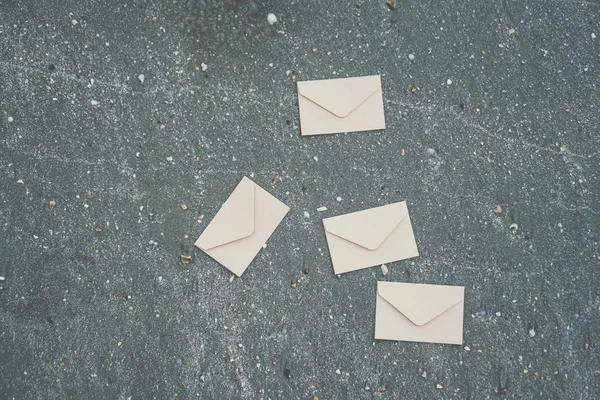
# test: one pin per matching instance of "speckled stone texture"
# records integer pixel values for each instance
(497, 106)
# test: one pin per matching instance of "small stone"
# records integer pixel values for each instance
(593, 35)
(511, 30)
(337, 371)
(10, 119)
(424, 374)
(204, 67)
(559, 225)
(525, 371)
(498, 314)
(384, 269)
(141, 78)
(438, 386)
(2, 278)
(271, 19)
(449, 82)
(414, 90)
(382, 389)
(200, 218)
(391, 4)
(314, 49)
(169, 158)
(179, 362)
(513, 227)
(119, 343)
(74, 22)
(186, 259)
(52, 203)
(531, 332)
(467, 348)
(411, 57)
(568, 109)
(498, 210)
(294, 286)
(306, 214)
(320, 209)
(338, 199)
(94, 102)
(184, 207)
(430, 152)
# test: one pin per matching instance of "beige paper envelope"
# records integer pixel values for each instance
(419, 313)
(242, 226)
(370, 237)
(340, 105)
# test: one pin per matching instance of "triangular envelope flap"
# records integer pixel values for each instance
(235, 219)
(367, 228)
(420, 303)
(340, 96)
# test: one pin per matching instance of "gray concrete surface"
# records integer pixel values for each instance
(507, 95)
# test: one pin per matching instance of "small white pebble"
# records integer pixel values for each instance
(94, 102)
(531, 333)
(10, 119)
(322, 209)
(438, 386)
(411, 57)
(169, 158)
(498, 314)
(449, 82)
(271, 19)
(2, 279)
(338, 199)
(559, 225)
(430, 152)
(21, 181)
(467, 348)
(424, 374)
(316, 158)
(74, 22)
(337, 371)
(204, 67)
(160, 279)
(593, 35)
(306, 214)
(384, 269)
(141, 78)
(232, 278)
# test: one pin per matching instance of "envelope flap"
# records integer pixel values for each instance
(368, 228)
(420, 303)
(235, 219)
(340, 96)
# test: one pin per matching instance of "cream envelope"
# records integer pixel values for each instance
(242, 226)
(419, 313)
(340, 105)
(370, 237)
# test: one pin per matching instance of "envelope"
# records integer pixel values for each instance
(419, 313)
(340, 105)
(242, 226)
(370, 237)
